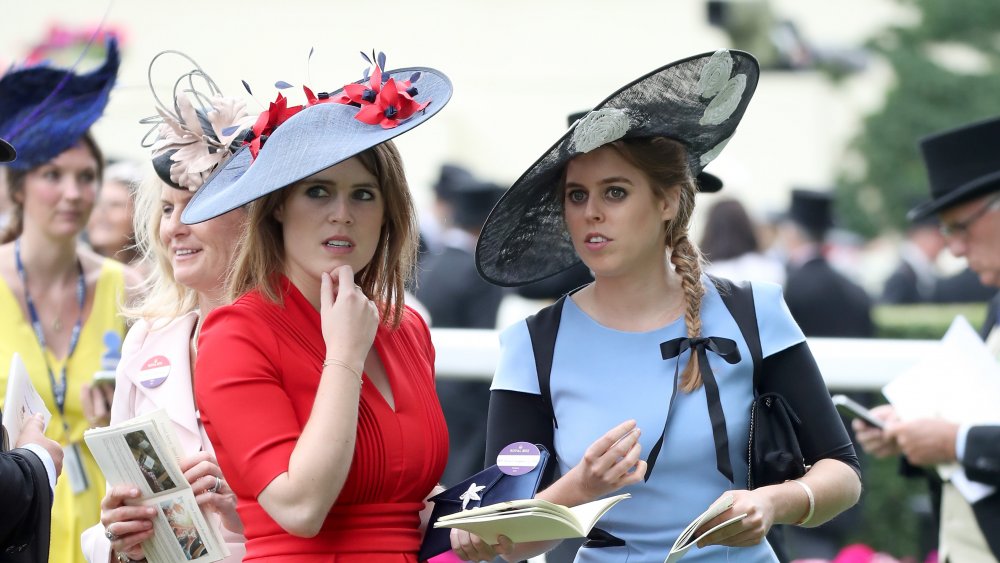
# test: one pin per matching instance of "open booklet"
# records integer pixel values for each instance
(21, 401)
(143, 452)
(530, 519)
(687, 539)
(958, 380)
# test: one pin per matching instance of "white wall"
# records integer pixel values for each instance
(518, 66)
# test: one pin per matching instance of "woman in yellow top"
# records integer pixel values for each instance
(59, 300)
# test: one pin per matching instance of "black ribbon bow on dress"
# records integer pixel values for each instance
(728, 351)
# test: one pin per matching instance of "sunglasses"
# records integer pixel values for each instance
(961, 228)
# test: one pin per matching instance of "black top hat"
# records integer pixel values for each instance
(473, 201)
(7, 152)
(697, 101)
(451, 178)
(707, 183)
(962, 164)
(812, 210)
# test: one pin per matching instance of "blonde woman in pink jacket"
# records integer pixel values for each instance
(187, 266)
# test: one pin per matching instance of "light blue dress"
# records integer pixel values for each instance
(602, 377)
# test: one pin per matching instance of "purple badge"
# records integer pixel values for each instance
(154, 372)
(518, 458)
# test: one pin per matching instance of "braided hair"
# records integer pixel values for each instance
(665, 162)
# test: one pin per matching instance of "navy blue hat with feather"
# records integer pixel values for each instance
(45, 111)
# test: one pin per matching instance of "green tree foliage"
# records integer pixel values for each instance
(885, 175)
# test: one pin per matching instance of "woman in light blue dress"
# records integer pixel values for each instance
(628, 408)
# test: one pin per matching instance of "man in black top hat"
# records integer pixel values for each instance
(457, 297)
(963, 166)
(822, 301)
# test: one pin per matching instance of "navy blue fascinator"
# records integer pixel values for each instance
(197, 130)
(45, 111)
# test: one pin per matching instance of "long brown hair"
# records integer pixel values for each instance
(15, 188)
(261, 251)
(665, 162)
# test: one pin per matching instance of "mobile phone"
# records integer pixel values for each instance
(104, 377)
(851, 407)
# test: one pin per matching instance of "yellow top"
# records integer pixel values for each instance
(71, 513)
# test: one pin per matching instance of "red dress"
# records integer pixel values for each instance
(257, 373)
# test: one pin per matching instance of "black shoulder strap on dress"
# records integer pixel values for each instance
(543, 328)
(738, 298)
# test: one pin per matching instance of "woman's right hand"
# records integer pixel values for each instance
(349, 318)
(874, 440)
(470, 547)
(128, 525)
(610, 463)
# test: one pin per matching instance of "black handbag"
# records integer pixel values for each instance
(497, 487)
(774, 452)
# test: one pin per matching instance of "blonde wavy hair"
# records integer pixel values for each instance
(160, 295)
(665, 162)
(261, 252)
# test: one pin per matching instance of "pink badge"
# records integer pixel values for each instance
(518, 458)
(154, 372)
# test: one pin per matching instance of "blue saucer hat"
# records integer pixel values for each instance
(287, 144)
(697, 101)
(45, 111)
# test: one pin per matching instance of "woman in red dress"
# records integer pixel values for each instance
(316, 385)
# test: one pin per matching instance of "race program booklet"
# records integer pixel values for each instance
(143, 452)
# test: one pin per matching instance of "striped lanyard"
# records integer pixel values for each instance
(58, 387)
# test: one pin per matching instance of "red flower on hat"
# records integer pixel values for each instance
(363, 94)
(385, 102)
(276, 114)
(391, 106)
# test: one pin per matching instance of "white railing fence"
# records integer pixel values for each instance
(846, 363)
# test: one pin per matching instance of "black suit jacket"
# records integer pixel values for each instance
(26, 501)
(825, 303)
(454, 293)
(982, 459)
(981, 463)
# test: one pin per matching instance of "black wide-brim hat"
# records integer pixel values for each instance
(697, 101)
(46, 110)
(312, 140)
(707, 183)
(962, 164)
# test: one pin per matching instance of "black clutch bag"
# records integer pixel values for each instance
(775, 455)
(496, 485)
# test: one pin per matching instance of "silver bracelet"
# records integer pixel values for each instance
(812, 502)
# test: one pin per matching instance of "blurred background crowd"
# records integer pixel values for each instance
(815, 189)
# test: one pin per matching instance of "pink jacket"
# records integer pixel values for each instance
(155, 372)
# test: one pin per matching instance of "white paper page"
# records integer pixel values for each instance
(957, 380)
(677, 553)
(21, 400)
